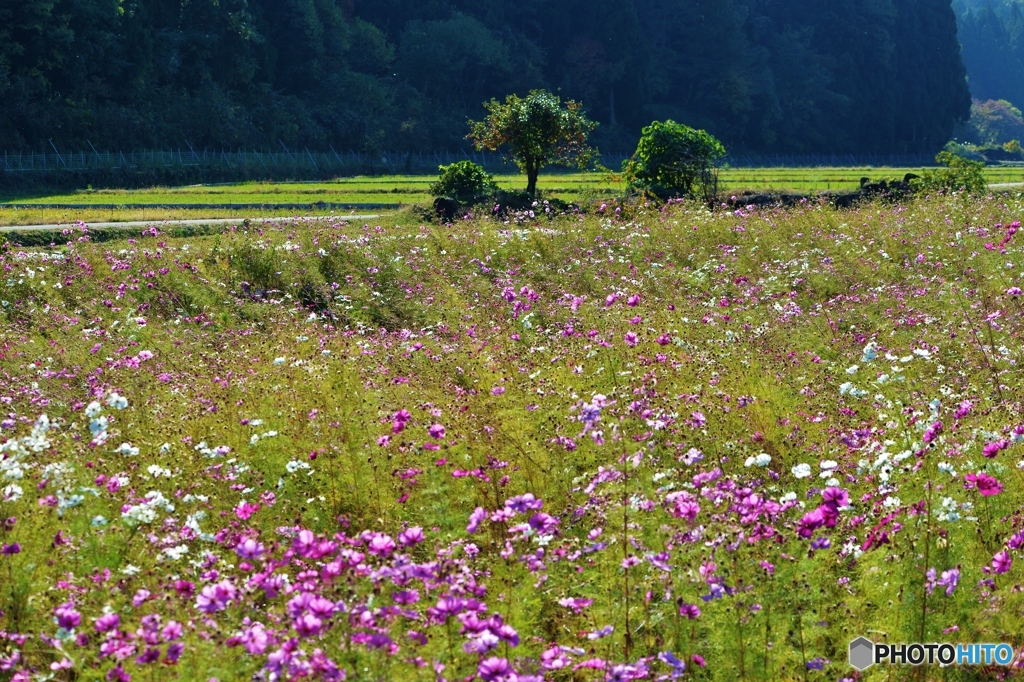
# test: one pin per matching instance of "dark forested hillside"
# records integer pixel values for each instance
(762, 75)
(992, 34)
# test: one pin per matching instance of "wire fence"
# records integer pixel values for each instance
(270, 162)
(831, 161)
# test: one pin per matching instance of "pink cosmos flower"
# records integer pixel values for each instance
(249, 549)
(308, 625)
(245, 510)
(67, 616)
(1002, 562)
(381, 545)
(992, 449)
(255, 639)
(495, 670)
(476, 518)
(216, 597)
(107, 622)
(411, 536)
(985, 484)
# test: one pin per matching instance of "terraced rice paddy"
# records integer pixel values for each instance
(266, 199)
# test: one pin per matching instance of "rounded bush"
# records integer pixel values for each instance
(464, 181)
(673, 159)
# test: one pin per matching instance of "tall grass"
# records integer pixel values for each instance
(667, 443)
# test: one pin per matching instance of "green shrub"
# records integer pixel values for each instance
(959, 175)
(464, 181)
(258, 266)
(673, 159)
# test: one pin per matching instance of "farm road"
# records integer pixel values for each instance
(193, 221)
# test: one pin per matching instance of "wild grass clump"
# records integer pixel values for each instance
(637, 444)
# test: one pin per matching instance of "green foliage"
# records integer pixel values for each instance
(792, 76)
(258, 267)
(996, 122)
(473, 56)
(464, 181)
(673, 159)
(535, 131)
(959, 175)
(799, 389)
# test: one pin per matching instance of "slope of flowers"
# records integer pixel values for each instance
(669, 445)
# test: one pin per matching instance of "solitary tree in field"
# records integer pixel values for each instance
(535, 131)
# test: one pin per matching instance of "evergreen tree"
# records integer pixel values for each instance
(761, 75)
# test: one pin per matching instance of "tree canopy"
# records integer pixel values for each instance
(673, 159)
(788, 76)
(535, 131)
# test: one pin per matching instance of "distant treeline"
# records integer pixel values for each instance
(778, 76)
(992, 35)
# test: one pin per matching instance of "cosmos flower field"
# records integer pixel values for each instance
(659, 444)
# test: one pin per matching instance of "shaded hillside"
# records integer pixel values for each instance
(787, 76)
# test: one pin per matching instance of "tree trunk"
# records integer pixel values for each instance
(532, 171)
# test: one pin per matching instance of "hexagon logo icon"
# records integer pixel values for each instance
(862, 653)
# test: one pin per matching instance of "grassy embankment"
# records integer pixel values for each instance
(601, 444)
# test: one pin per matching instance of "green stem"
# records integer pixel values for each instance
(627, 636)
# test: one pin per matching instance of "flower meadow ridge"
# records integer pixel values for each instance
(651, 444)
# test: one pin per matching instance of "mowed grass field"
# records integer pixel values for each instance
(270, 199)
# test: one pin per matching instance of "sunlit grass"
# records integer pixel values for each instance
(735, 440)
(397, 191)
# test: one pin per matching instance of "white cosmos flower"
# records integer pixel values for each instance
(98, 426)
(801, 470)
(761, 460)
(11, 493)
(127, 449)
